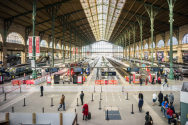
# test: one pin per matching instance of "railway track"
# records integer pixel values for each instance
(118, 67)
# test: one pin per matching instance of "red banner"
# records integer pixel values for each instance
(37, 40)
(73, 51)
(30, 46)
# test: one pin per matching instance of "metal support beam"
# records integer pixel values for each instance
(171, 20)
(152, 12)
(141, 23)
(133, 28)
(34, 74)
(129, 37)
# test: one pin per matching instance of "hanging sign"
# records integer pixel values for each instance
(30, 46)
(37, 42)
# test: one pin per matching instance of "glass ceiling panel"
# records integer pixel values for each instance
(102, 16)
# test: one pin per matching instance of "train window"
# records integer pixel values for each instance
(174, 41)
(185, 39)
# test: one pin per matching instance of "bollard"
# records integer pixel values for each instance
(100, 97)
(12, 109)
(52, 104)
(127, 96)
(101, 88)
(132, 110)
(75, 110)
(107, 118)
(77, 102)
(20, 89)
(94, 89)
(5, 98)
(42, 109)
(92, 97)
(3, 90)
(24, 103)
(122, 89)
(99, 105)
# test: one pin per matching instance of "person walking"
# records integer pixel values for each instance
(154, 98)
(62, 102)
(41, 90)
(82, 97)
(160, 98)
(171, 98)
(85, 111)
(140, 104)
(165, 82)
(148, 119)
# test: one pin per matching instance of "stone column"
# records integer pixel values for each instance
(23, 57)
(165, 54)
(180, 55)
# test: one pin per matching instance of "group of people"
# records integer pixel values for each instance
(167, 108)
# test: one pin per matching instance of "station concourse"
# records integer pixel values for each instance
(116, 55)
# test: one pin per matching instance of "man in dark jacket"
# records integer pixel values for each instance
(160, 98)
(41, 90)
(140, 96)
(82, 97)
(148, 119)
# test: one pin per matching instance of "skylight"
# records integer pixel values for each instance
(102, 16)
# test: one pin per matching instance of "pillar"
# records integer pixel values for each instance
(141, 23)
(34, 74)
(152, 12)
(23, 57)
(180, 55)
(171, 6)
(165, 54)
(129, 37)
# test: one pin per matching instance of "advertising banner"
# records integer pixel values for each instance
(79, 79)
(160, 56)
(30, 46)
(37, 42)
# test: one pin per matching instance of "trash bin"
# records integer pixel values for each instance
(56, 78)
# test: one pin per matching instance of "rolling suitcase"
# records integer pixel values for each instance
(89, 115)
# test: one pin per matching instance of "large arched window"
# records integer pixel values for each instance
(153, 45)
(57, 46)
(161, 44)
(15, 38)
(50, 46)
(1, 39)
(146, 46)
(174, 41)
(185, 39)
(43, 43)
(137, 48)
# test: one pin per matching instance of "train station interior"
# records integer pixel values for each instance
(93, 62)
